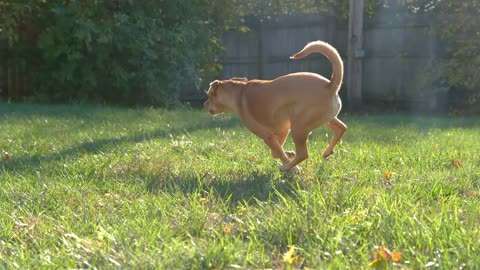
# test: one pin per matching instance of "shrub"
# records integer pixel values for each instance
(456, 23)
(121, 52)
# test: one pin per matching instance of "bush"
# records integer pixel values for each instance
(457, 23)
(120, 52)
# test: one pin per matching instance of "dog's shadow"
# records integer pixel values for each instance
(250, 188)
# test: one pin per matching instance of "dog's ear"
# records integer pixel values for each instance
(213, 87)
(241, 79)
(214, 83)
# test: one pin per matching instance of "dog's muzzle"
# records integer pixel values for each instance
(211, 111)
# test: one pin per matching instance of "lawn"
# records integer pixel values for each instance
(111, 188)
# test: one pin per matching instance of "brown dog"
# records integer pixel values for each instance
(296, 103)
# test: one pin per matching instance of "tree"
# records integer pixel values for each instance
(265, 8)
(457, 23)
(121, 52)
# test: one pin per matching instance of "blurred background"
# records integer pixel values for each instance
(419, 56)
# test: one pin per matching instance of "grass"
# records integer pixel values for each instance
(108, 188)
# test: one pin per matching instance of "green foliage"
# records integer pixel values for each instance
(457, 23)
(109, 188)
(122, 52)
(266, 8)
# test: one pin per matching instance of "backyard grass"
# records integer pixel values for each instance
(110, 188)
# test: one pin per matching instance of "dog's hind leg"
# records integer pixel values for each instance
(338, 128)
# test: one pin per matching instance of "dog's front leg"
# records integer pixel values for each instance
(300, 139)
(277, 149)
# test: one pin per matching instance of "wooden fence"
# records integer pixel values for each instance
(398, 49)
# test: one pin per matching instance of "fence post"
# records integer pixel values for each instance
(355, 54)
(262, 51)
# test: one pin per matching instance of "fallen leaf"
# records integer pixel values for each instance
(470, 194)
(381, 255)
(357, 217)
(226, 229)
(111, 196)
(457, 163)
(289, 256)
(397, 256)
(8, 156)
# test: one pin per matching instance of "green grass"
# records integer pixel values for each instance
(108, 188)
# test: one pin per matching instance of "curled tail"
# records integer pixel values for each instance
(332, 55)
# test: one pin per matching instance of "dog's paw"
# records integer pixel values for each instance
(326, 155)
(294, 169)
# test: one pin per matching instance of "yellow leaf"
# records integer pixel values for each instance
(359, 215)
(436, 146)
(227, 229)
(382, 254)
(385, 253)
(397, 256)
(387, 175)
(110, 195)
(289, 256)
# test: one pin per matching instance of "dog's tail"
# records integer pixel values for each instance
(332, 55)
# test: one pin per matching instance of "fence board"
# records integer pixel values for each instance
(397, 48)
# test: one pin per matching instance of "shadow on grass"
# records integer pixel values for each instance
(384, 123)
(249, 188)
(30, 162)
(55, 111)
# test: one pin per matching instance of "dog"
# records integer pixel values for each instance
(295, 103)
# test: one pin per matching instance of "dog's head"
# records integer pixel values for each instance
(215, 103)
